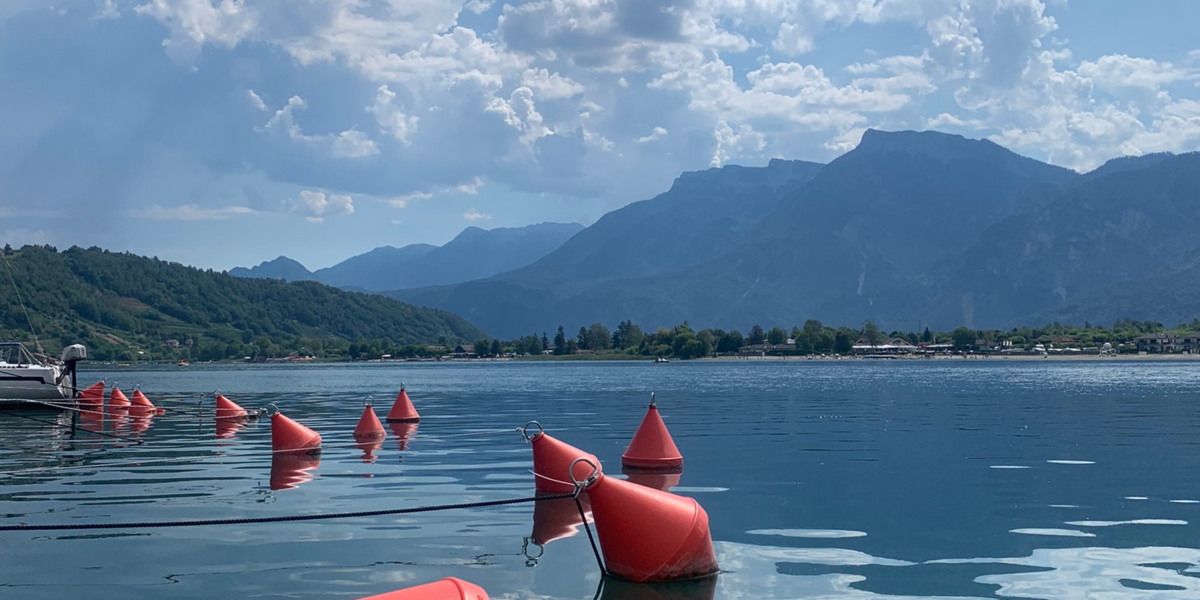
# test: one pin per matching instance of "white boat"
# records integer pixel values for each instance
(26, 376)
(661, 359)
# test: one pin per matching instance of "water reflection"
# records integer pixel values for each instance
(653, 479)
(616, 589)
(557, 519)
(369, 447)
(288, 471)
(227, 428)
(403, 433)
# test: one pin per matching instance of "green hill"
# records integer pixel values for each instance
(123, 307)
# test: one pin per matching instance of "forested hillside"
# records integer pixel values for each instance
(123, 307)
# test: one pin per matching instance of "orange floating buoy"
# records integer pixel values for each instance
(140, 399)
(552, 461)
(557, 519)
(288, 436)
(288, 471)
(227, 409)
(403, 432)
(647, 535)
(92, 394)
(450, 588)
(402, 409)
(652, 446)
(369, 427)
(653, 479)
(117, 398)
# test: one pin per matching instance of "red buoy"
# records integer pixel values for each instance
(288, 436)
(402, 409)
(227, 409)
(552, 462)
(369, 427)
(557, 519)
(652, 446)
(450, 588)
(290, 470)
(117, 398)
(653, 479)
(92, 394)
(647, 535)
(140, 399)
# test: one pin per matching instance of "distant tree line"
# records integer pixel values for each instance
(813, 337)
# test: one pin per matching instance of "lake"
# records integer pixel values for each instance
(833, 480)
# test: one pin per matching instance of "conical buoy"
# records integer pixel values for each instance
(140, 399)
(402, 409)
(652, 479)
(450, 588)
(650, 536)
(652, 446)
(288, 436)
(369, 427)
(288, 471)
(117, 398)
(92, 394)
(557, 519)
(403, 433)
(227, 409)
(552, 462)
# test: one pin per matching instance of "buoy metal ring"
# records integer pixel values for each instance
(370, 401)
(525, 431)
(531, 561)
(216, 393)
(267, 410)
(587, 481)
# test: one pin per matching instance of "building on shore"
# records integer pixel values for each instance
(888, 346)
(765, 349)
(1169, 343)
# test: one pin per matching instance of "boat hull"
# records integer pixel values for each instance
(31, 383)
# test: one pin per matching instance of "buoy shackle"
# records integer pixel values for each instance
(587, 481)
(532, 560)
(652, 402)
(525, 431)
(370, 401)
(270, 410)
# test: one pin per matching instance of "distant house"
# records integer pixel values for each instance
(888, 346)
(462, 351)
(1167, 343)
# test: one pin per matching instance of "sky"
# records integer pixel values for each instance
(222, 133)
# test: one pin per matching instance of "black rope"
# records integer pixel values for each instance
(583, 518)
(101, 433)
(283, 519)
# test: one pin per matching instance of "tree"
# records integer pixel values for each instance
(597, 337)
(571, 348)
(871, 333)
(730, 342)
(756, 335)
(777, 335)
(497, 349)
(964, 339)
(8, 250)
(809, 336)
(545, 342)
(481, 347)
(560, 342)
(583, 339)
(843, 341)
(926, 336)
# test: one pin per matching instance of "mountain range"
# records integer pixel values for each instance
(910, 229)
(474, 254)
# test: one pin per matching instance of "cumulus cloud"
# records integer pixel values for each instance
(474, 215)
(391, 118)
(657, 133)
(347, 144)
(404, 200)
(256, 101)
(1116, 71)
(315, 206)
(550, 86)
(190, 212)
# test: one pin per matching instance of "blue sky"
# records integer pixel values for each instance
(221, 133)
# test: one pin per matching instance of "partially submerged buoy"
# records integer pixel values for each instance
(557, 519)
(228, 409)
(450, 588)
(288, 436)
(402, 409)
(647, 535)
(616, 589)
(117, 398)
(92, 394)
(369, 427)
(552, 461)
(652, 446)
(290, 470)
(140, 399)
(653, 479)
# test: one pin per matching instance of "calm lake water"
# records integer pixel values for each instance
(854, 480)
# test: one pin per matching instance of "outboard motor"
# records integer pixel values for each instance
(71, 355)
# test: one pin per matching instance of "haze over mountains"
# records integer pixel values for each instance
(475, 253)
(910, 229)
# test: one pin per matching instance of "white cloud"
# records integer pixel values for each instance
(478, 6)
(520, 113)
(731, 142)
(108, 10)
(1116, 71)
(315, 206)
(190, 212)
(256, 101)
(353, 143)
(655, 134)
(597, 140)
(194, 23)
(392, 118)
(347, 144)
(471, 187)
(550, 86)
(474, 215)
(403, 201)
